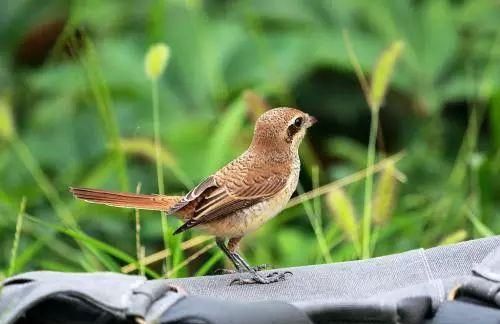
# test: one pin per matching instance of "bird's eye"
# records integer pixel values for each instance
(298, 122)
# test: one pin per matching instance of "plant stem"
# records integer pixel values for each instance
(367, 211)
(315, 221)
(357, 176)
(159, 165)
(17, 236)
(138, 247)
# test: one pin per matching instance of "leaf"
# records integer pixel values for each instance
(17, 237)
(454, 237)
(437, 39)
(227, 129)
(495, 121)
(382, 73)
(58, 266)
(478, 225)
(207, 265)
(108, 262)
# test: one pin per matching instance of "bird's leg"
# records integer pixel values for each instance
(221, 244)
(242, 266)
(248, 267)
(232, 247)
(239, 263)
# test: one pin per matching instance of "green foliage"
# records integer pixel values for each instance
(78, 113)
(15, 245)
(225, 131)
(6, 122)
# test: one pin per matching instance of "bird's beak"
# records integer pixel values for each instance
(311, 120)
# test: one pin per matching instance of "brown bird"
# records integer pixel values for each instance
(241, 196)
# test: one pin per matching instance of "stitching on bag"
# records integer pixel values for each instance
(430, 277)
(427, 266)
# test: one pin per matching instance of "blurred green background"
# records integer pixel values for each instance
(76, 110)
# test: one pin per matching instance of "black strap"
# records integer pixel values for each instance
(195, 309)
(65, 308)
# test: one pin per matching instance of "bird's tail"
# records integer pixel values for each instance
(125, 200)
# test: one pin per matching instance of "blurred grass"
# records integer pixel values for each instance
(15, 244)
(76, 113)
(155, 63)
(102, 96)
(139, 249)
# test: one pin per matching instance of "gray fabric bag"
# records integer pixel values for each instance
(411, 287)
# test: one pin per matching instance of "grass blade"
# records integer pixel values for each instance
(227, 128)
(190, 259)
(374, 96)
(43, 182)
(155, 62)
(162, 254)
(17, 237)
(315, 221)
(102, 96)
(94, 243)
(207, 265)
(478, 225)
(138, 247)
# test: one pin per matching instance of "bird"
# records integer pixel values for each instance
(239, 197)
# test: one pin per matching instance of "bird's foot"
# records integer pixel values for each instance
(259, 279)
(243, 270)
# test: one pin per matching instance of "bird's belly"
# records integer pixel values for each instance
(248, 219)
(251, 218)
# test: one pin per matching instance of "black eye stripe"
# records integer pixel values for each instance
(291, 131)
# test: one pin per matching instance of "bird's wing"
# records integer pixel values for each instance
(201, 189)
(235, 191)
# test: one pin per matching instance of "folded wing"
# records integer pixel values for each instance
(229, 192)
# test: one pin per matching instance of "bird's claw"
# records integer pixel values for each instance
(259, 279)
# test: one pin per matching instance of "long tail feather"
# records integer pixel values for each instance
(125, 200)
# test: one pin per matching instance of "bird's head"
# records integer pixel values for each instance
(281, 130)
